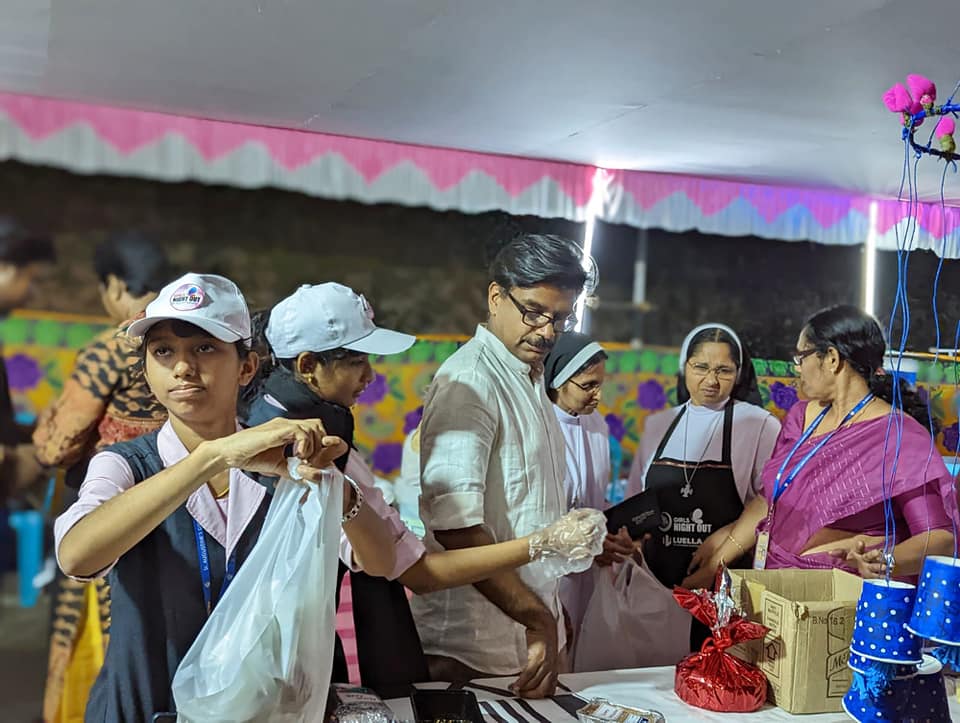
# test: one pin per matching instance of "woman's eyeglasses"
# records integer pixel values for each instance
(589, 387)
(723, 373)
(801, 355)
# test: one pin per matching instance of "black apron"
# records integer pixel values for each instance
(690, 513)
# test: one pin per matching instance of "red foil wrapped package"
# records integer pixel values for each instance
(713, 678)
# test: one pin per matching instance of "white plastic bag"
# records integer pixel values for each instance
(631, 621)
(266, 652)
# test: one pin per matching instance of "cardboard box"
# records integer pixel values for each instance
(810, 614)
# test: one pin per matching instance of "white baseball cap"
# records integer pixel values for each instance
(329, 316)
(212, 302)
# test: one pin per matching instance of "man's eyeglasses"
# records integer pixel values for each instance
(723, 373)
(538, 320)
(801, 355)
(589, 387)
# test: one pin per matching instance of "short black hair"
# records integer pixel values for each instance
(323, 358)
(18, 247)
(135, 259)
(531, 259)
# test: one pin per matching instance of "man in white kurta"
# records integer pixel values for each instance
(492, 469)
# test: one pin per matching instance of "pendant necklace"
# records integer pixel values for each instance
(687, 488)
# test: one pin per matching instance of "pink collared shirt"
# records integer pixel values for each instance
(109, 475)
(407, 548)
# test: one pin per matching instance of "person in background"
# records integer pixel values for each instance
(105, 400)
(406, 485)
(172, 514)
(493, 469)
(705, 456)
(23, 257)
(838, 458)
(574, 372)
(318, 343)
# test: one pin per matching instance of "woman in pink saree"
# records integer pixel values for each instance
(834, 464)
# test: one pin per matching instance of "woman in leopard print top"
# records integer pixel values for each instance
(105, 400)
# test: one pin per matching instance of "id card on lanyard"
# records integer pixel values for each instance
(204, 560)
(781, 484)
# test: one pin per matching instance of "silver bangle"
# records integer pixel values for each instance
(357, 501)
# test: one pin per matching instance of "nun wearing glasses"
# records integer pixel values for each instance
(705, 456)
(574, 372)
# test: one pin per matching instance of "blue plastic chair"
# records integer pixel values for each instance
(28, 525)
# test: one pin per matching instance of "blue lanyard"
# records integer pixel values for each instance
(780, 485)
(204, 561)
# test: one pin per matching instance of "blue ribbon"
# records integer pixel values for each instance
(781, 485)
(204, 559)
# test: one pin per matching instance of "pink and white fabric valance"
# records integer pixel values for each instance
(86, 138)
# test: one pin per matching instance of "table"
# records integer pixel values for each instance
(650, 688)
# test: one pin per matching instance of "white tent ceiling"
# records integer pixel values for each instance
(761, 90)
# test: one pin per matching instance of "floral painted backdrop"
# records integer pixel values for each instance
(40, 348)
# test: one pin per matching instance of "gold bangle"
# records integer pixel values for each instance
(734, 541)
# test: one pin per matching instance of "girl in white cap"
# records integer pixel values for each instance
(320, 339)
(170, 515)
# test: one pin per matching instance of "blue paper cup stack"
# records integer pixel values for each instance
(884, 654)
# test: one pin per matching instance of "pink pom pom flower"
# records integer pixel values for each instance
(923, 89)
(897, 99)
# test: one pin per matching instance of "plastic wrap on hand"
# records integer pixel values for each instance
(568, 545)
(713, 678)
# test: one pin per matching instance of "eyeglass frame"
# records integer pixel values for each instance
(799, 355)
(716, 371)
(582, 388)
(569, 322)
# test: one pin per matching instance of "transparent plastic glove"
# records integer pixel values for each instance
(569, 544)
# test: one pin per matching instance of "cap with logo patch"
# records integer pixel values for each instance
(329, 316)
(211, 302)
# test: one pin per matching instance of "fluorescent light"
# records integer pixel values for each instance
(588, 228)
(598, 194)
